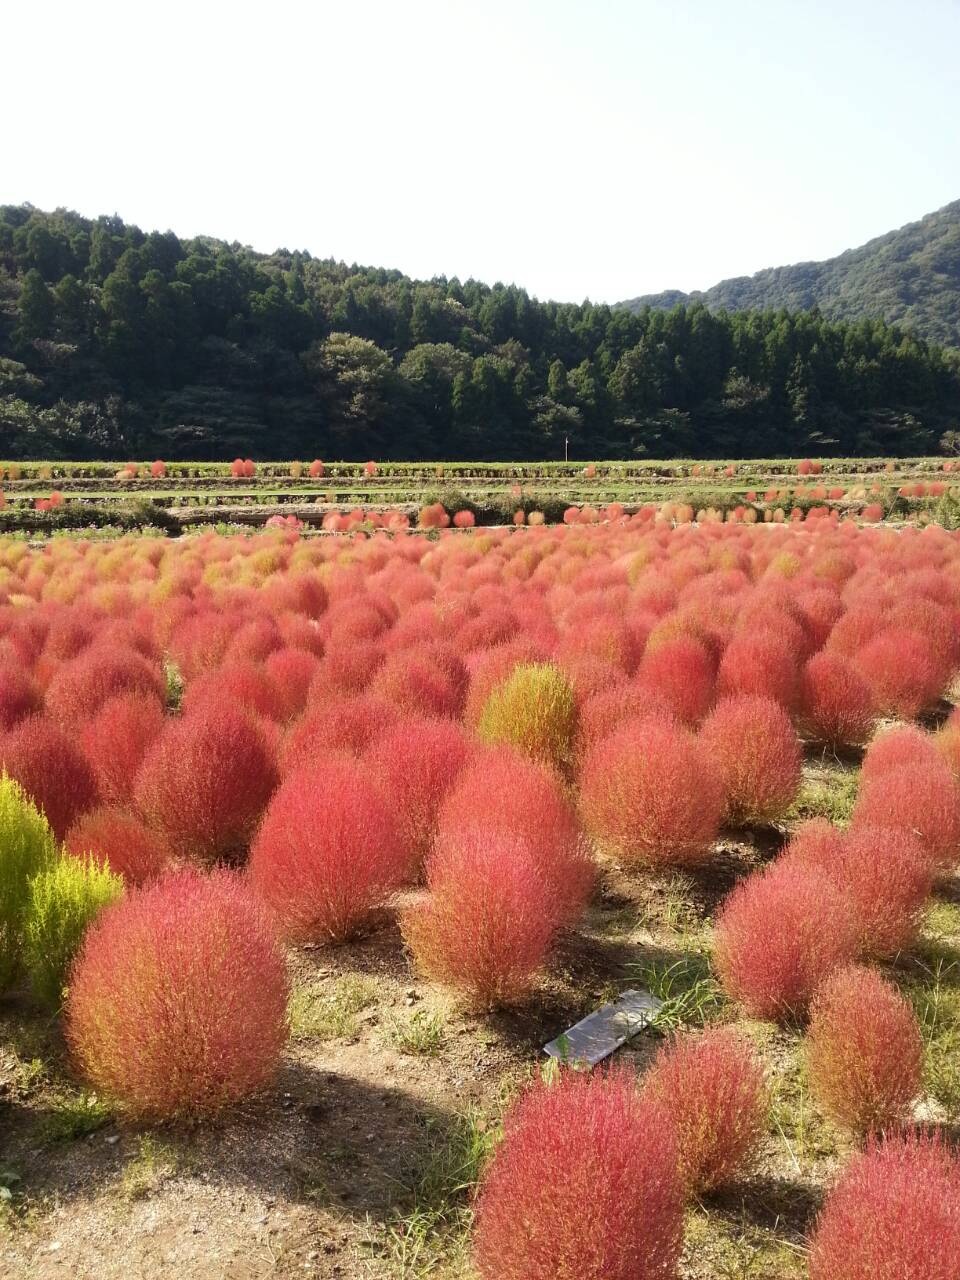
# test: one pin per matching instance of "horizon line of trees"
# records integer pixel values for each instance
(115, 342)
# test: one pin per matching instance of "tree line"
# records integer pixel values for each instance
(118, 343)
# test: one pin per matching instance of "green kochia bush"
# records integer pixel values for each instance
(534, 710)
(27, 848)
(63, 901)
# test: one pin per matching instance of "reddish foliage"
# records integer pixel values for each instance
(713, 1088)
(418, 760)
(864, 1051)
(414, 682)
(178, 998)
(119, 837)
(650, 794)
(897, 747)
(778, 935)
(200, 642)
(489, 918)
(241, 684)
(752, 744)
(328, 852)
(919, 798)
(116, 740)
(345, 669)
(601, 713)
(491, 668)
(81, 687)
(758, 663)
(902, 670)
(510, 794)
(50, 769)
(885, 873)
(583, 1184)
(836, 703)
(205, 782)
(464, 520)
(19, 697)
(291, 672)
(893, 1215)
(345, 727)
(681, 671)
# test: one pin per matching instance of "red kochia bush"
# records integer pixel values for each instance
(242, 684)
(205, 782)
(178, 998)
(681, 671)
(864, 1051)
(902, 745)
(81, 687)
(778, 935)
(893, 1215)
(884, 872)
(650, 794)
(753, 745)
(50, 769)
(328, 852)
(584, 1184)
(418, 761)
(760, 664)
(119, 838)
(506, 792)
(291, 671)
(902, 670)
(116, 740)
(343, 727)
(836, 704)
(19, 697)
(921, 798)
(713, 1088)
(488, 919)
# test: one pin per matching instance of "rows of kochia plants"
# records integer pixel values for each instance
(218, 748)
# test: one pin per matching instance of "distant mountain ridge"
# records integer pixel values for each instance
(909, 277)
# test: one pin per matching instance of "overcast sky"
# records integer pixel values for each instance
(599, 148)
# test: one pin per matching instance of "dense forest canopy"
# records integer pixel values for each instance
(909, 277)
(119, 343)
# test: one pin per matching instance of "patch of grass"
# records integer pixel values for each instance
(328, 1010)
(671, 906)
(935, 994)
(73, 1116)
(740, 1252)
(434, 1231)
(831, 797)
(154, 1163)
(421, 1034)
(691, 995)
(794, 1118)
(174, 682)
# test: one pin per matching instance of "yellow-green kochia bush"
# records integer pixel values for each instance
(63, 901)
(534, 709)
(27, 847)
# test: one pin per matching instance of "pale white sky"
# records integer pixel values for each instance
(580, 149)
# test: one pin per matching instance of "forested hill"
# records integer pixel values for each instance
(909, 277)
(122, 344)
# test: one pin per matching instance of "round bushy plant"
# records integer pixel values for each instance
(64, 900)
(778, 935)
(650, 794)
(584, 1186)
(488, 919)
(328, 852)
(534, 710)
(894, 1214)
(713, 1088)
(27, 848)
(177, 1002)
(864, 1051)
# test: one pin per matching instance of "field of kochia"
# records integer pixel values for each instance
(309, 844)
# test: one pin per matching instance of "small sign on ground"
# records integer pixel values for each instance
(605, 1030)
